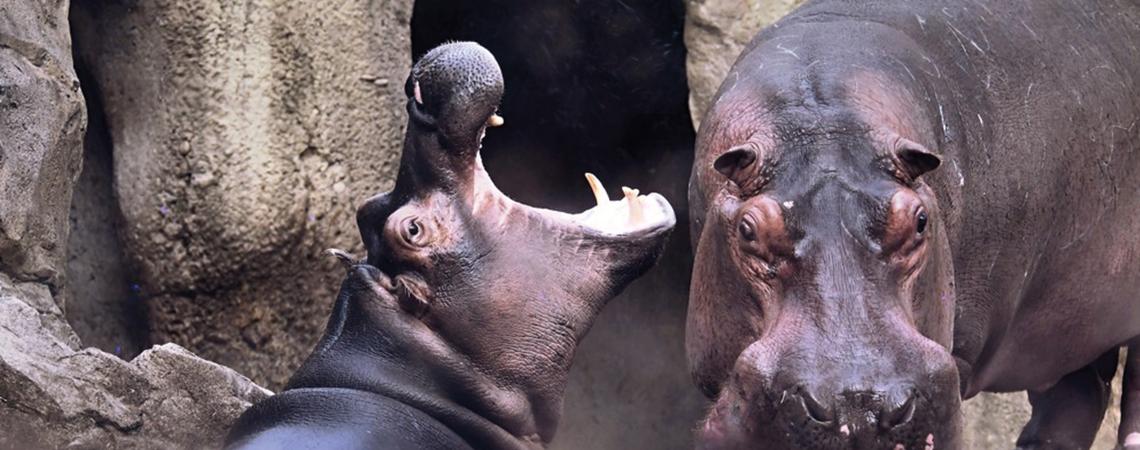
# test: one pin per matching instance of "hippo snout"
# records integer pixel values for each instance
(884, 408)
(781, 399)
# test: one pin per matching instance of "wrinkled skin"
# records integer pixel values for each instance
(459, 328)
(897, 205)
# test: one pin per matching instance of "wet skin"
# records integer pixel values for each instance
(898, 205)
(458, 329)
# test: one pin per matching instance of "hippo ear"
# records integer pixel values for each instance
(914, 159)
(739, 164)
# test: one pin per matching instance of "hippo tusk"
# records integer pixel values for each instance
(636, 214)
(600, 193)
(495, 121)
(344, 257)
(416, 93)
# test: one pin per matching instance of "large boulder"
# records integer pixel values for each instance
(244, 135)
(53, 395)
(715, 33)
(42, 119)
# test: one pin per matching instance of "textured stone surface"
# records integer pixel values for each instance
(715, 33)
(103, 308)
(244, 136)
(55, 396)
(41, 126)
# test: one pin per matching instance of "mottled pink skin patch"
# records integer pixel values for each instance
(882, 103)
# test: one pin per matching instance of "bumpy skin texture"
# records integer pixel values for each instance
(458, 329)
(897, 205)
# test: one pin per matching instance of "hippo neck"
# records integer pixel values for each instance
(362, 353)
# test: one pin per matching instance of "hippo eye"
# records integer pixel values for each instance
(921, 219)
(746, 231)
(413, 232)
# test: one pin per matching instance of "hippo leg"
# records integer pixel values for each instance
(1129, 435)
(1068, 414)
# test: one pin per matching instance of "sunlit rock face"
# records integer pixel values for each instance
(715, 33)
(41, 130)
(243, 137)
(53, 394)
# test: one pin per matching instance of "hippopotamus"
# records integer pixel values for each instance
(897, 205)
(458, 329)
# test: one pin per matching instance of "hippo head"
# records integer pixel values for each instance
(821, 307)
(505, 290)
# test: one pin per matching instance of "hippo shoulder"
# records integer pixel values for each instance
(334, 418)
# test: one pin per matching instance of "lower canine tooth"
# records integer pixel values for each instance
(344, 257)
(495, 120)
(416, 92)
(636, 215)
(600, 193)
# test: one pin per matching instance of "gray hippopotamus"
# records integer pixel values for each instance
(897, 205)
(458, 329)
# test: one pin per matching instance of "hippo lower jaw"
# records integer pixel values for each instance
(633, 217)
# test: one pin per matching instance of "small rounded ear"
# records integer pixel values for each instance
(370, 219)
(914, 159)
(738, 164)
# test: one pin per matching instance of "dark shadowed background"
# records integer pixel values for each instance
(597, 86)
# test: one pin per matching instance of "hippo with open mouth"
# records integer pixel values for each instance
(897, 205)
(459, 328)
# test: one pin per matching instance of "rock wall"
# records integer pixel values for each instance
(52, 394)
(715, 33)
(244, 135)
(42, 116)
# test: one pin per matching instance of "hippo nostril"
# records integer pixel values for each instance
(816, 411)
(893, 417)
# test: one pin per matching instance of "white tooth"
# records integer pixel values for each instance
(600, 193)
(344, 257)
(416, 90)
(495, 120)
(636, 215)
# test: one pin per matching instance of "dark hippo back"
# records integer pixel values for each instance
(330, 418)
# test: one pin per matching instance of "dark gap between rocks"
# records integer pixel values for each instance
(103, 303)
(597, 86)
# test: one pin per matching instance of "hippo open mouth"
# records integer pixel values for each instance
(632, 216)
(509, 287)
(467, 311)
